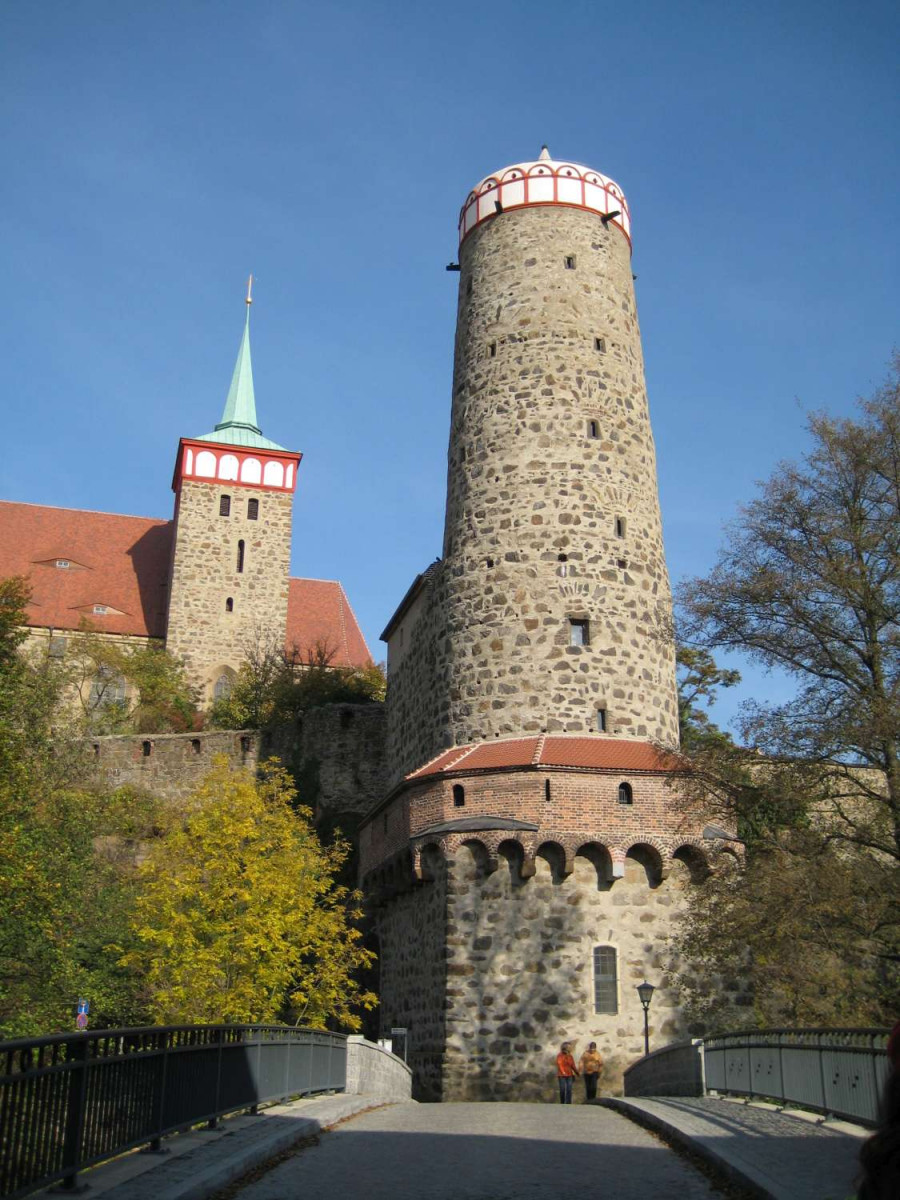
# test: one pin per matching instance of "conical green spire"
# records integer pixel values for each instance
(238, 426)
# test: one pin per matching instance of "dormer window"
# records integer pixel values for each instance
(63, 563)
(100, 610)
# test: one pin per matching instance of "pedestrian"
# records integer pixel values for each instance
(591, 1065)
(565, 1073)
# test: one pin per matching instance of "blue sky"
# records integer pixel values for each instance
(157, 153)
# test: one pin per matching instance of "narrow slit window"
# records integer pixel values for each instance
(252, 510)
(620, 527)
(240, 556)
(593, 429)
(229, 605)
(600, 345)
(224, 506)
(459, 795)
(579, 632)
(606, 982)
(626, 795)
(570, 262)
(146, 749)
(601, 720)
(547, 790)
(492, 350)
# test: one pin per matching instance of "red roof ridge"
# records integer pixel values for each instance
(451, 761)
(98, 512)
(311, 579)
(538, 750)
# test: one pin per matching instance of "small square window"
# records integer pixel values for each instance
(593, 429)
(57, 648)
(570, 262)
(252, 510)
(579, 632)
(600, 345)
(224, 506)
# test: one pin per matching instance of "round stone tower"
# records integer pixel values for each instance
(557, 601)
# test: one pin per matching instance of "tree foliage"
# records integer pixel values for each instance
(125, 688)
(273, 686)
(808, 582)
(65, 884)
(238, 917)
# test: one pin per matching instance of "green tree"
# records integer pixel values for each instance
(273, 686)
(699, 679)
(124, 688)
(65, 883)
(239, 917)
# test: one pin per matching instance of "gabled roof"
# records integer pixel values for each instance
(595, 753)
(319, 614)
(123, 563)
(118, 561)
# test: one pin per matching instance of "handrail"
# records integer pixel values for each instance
(68, 1101)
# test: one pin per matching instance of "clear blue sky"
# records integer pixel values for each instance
(156, 153)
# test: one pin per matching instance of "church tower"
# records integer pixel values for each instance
(231, 556)
(525, 865)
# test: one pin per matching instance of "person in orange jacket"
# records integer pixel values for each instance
(565, 1073)
(591, 1065)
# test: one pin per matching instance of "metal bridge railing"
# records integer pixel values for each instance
(71, 1100)
(838, 1072)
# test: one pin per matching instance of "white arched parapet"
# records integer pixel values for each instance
(273, 475)
(188, 461)
(251, 470)
(289, 478)
(228, 466)
(206, 464)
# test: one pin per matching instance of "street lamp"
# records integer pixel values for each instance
(645, 990)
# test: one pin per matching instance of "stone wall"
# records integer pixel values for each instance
(170, 765)
(205, 576)
(374, 1071)
(518, 962)
(552, 507)
(675, 1070)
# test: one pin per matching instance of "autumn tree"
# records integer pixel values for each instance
(239, 917)
(808, 583)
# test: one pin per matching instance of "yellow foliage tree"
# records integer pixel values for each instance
(238, 917)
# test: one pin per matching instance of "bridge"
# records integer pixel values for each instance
(69, 1104)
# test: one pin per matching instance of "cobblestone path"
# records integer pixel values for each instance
(484, 1152)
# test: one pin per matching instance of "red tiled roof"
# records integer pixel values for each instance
(319, 614)
(588, 753)
(123, 563)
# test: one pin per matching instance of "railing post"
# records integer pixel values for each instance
(76, 1053)
(155, 1146)
(822, 1074)
(214, 1119)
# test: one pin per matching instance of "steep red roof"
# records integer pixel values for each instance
(123, 563)
(120, 562)
(319, 614)
(587, 753)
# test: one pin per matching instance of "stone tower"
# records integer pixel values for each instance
(231, 554)
(525, 864)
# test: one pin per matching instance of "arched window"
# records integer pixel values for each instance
(593, 429)
(223, 686)
(459, 795)
(626, 796)
(229, 604)
(606, 982)
(240, 556)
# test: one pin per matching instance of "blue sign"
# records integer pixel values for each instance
(84, 1006)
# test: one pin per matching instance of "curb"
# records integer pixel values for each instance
(658, 1124)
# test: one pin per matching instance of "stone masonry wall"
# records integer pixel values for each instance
(374, 1071)
(520, 972)
(410, 931)
(552, 506)
(204, 576)
(170, 765)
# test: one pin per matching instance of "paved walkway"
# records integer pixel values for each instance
(485, 1152)
(780, 1155)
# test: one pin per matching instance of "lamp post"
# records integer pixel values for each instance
(645, 990)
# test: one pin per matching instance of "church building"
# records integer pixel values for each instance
(207, 584)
